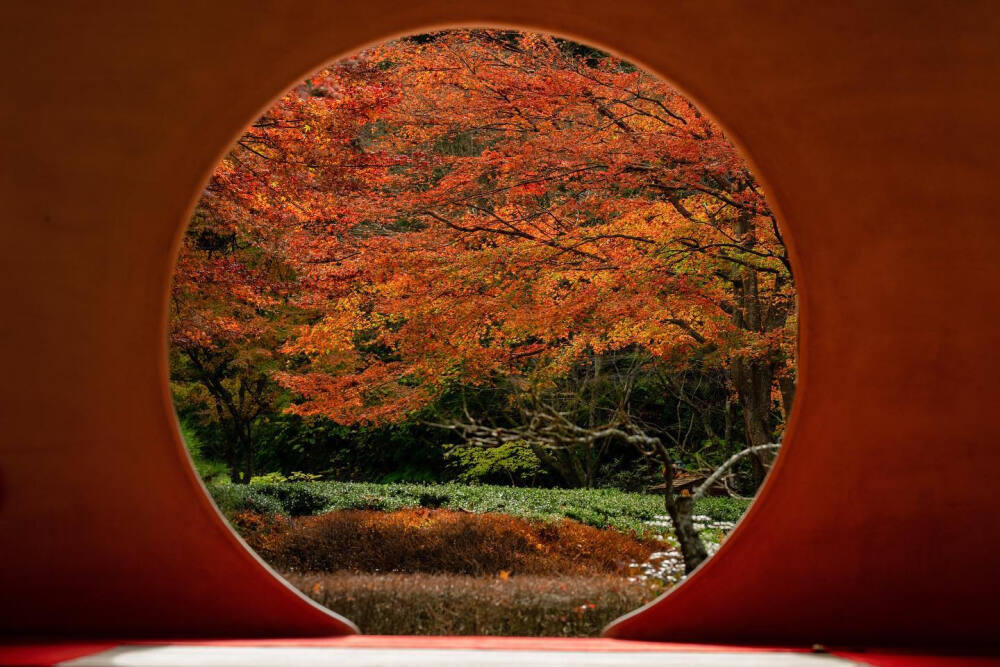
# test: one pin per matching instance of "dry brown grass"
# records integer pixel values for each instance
(449, 604)
(439, 541)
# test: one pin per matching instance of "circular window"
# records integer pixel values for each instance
(483, 319)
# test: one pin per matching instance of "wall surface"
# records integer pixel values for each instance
(873, 126)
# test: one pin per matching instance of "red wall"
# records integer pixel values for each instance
(873, 126)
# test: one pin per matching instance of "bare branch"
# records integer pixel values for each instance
(730, 462)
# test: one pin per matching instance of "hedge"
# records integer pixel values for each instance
(601, 508)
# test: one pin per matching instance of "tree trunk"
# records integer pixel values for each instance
(248, 469)
(563, 463)
(246, 444)
(787, 385)
(239, 457)
(234, 470)
(753, 379)
(232, 450)
(680, 509)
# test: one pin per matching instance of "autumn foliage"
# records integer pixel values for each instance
(454, 208)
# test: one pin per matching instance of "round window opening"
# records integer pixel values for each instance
(483, 332)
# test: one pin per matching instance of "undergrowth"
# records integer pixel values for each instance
(439, 541)
(449, 604)
(600, 508)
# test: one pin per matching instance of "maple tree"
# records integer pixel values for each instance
(237, 279)
(473, 207)
(223, 335)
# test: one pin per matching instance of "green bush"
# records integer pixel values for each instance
(269, 478)
(723, 509)
(235, 498)
(277, 478)
(601, 508)
(297, 498)
(511, 463)
(300, 476)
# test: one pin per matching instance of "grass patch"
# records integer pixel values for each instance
(600, 508)
(449, 604)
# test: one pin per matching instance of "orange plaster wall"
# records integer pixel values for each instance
(873, 126)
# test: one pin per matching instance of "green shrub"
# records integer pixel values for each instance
(297, 498)
(269, 478)
(511, 463)
(723, 509)
(235, 498)
(299, 476)
(586, 516)
(595, 507)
